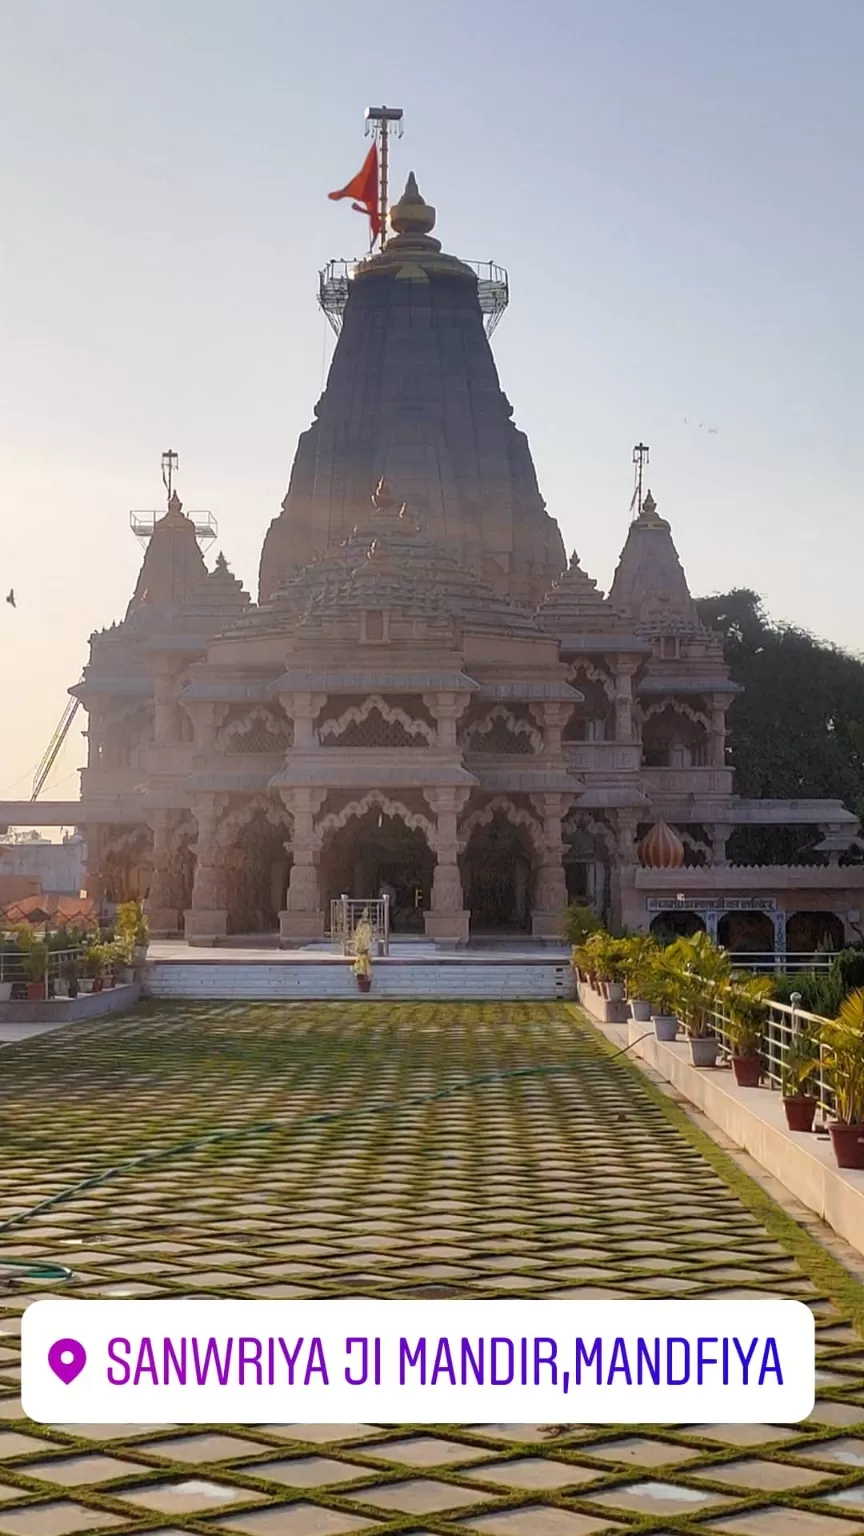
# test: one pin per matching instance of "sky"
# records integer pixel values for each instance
(674, 188)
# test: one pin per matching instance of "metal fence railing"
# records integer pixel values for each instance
(347, 911)
(783, 1022)
(14, 969)
(781, 960)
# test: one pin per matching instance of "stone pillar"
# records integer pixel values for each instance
(162, 915)
(624, 700)
(712, 924)
(94, 879)
(718, 730)
(550, 885)
(779, 921)
(447, 708)
(552, 716)
(207, 918)
(164, 731)
(719, 837)
(621, 873)
(204, 714)
(448, 921)
(95, 733)
(303, 709)
(303, 918)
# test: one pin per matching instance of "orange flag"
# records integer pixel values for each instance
(364, 189)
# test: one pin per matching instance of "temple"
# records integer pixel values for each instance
(427, 697)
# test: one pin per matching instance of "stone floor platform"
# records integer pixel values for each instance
(576, 1178)
(414, 969)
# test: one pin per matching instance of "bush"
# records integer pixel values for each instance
(579, 923)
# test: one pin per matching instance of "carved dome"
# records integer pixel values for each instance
(661, 848)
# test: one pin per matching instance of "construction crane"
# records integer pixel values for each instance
(52, 751)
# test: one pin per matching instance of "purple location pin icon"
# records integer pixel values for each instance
(67, 1359)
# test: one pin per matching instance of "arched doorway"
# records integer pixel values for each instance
(808, 931)
(668, 926)
(497, 871)
(746, 933)
(376, 853)
(586, 868)
(256, 874)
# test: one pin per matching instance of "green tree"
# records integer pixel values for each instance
(797, 729)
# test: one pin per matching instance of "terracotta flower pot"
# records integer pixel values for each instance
(364, 983)
(36, 990)
(800, 1112)
(848, 1142)
(747, 1071)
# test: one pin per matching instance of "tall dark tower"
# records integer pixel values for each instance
(413, 395)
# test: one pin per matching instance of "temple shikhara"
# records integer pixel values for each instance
(427, 696)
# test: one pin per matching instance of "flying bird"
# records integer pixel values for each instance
(11, 598)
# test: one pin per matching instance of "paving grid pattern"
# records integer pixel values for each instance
(571, 1183)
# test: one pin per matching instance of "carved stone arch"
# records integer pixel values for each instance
(375, 798)
(501, 805)
(580, 821)
(261, 721)
(588, 669)
(678, 706)
(519, 730)
(413, 731)
(238, 816)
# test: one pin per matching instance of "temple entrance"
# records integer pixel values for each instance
(669, 926)
(496, 878)
(809, 931)
(377, 854)
(746, 933)
(256, 875)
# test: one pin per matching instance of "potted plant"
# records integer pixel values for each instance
(70, 976)
(131, 933)
(661, 987)
(701, 971)
(9, 952)
(640, 956)
(605, 957)
(93, 964)
(363, 940)
(36, 966)
(798, 1078)
(843, 1041)
(744, 1002)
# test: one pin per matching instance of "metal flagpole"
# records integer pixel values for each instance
(640, 457)
(378, 122)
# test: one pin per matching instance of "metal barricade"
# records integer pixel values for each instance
(347, 911)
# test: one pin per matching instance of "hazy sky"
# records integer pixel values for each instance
(674, 187)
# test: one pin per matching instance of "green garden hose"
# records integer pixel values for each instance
(60, 1274)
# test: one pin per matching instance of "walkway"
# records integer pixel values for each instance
(583, 1183)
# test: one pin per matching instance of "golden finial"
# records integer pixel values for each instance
(411, 215)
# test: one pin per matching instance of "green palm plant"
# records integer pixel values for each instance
(843, 1039)
(800, 1063)
(640, 954)
(744, 1003)
(702, 971)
